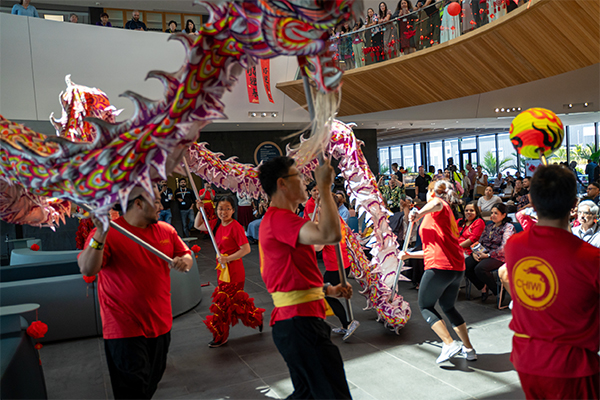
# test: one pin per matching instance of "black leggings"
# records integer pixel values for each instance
(338, 308)
(481, 273)
(442, 285)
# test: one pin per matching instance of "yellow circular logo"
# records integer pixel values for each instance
(535, 283)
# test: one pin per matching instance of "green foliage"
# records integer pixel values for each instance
(383, 169)
(489, 164)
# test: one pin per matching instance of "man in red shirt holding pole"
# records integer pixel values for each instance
(289, 269)
(554, 280)
(134, 290)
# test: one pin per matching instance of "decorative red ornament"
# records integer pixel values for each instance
(35, 247)
(195, 248)
(37, 329)
(362, 59)
(492, 16)
(454, 9)
(38, 346)
(89, 279)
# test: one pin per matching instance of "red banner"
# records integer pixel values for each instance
(266, 74)
(251, 84)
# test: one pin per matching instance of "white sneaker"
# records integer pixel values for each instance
(469, 354)
(510, 305)
(339, 331)
(351, 328)
(448, 351)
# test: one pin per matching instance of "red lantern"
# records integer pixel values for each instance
(35, 247)
(38, 346)
(89, 279)
(454, 9)
(37, 329)
(195, 248)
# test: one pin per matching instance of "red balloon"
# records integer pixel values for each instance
(454, 9)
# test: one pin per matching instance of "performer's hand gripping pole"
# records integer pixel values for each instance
(204, 217)
(401, 262)
(136, 239)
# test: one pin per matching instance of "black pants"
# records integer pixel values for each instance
(136, 365)
(338, 308)
(442, 285)
(481, 273)
(479, 13)
(315, 363)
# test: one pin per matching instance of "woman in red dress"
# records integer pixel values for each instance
(207, 195)
(230, 302)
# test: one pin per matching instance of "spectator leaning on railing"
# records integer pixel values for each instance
(190, 27)
(104, 21)
(73, 18)
(25, 9)
(135, 24)
(172, 27)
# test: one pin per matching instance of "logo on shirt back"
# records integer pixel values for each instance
(535, 283)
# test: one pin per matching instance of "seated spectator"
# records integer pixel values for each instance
(104, 20)
(523, 200)
(593, 192)
(190, 27)
(509, 186)
(259, 211)
(481, 264)
(486, 202)
(499, 183)
(135, 23)
(73, 18)
(470, 227)
(25, 9)
(172, 27)
(588, 229)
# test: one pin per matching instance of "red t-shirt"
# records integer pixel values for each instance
(439, 234)
(287, 265)
(205, 194)
(309, 209)
(229, 240)
(472, 232)
(330, 252)
(134, 285)
(555, 283)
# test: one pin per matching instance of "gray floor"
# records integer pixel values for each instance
(379, 364)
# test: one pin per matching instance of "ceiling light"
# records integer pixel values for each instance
(514, 109)
(585, 104)
(570, 105)
(497, 109)
(253, 115)
(518, 108)
(502, 109)
(274, 115)
(263, 115)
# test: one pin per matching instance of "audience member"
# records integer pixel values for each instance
(406, 26)
(73, 18)
(499, 183)
(135, 23)
(523, 200)
(422, 183)
(480, 264)
(104, 20)
(186, 200)
(207, 195)
(244, 210)
(396, 171)
(480, 12)
(260, 208)
(340, 200)
(358, 44)
(166, 195)
(592, 171)
(389, 32)
(496, 9)
(345, 46)
(172, 28)
(554, 280)
(471, 227)
(450, 27)
(311, 205)
(190, 27)
(431, 32)
(25, 9)
(471, 175)
(588, 229)
(593, 192)
(481, 182)
(376, 34)
(488, 199)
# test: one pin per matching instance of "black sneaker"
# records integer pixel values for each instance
(214, 344)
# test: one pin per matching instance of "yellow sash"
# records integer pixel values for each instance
(522, 335)
(284, 299)
(224, 272)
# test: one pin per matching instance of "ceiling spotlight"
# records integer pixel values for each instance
(570, 105)
(253, 115)
(502, 109)
(508, 110)
(518, 108)
(585, 104)
(497, 109)
(263, 115)
(274, 115)
(514, 109)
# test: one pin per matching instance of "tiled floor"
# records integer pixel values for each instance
(379, 364)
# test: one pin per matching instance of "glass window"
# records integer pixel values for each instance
(487, 154)
(468, 143)
(451, 148)
(581, 144)
(507, 155)
(115, 17)
(436, 157)
(154, 21)
(384, 160)
(396, 155)
(174, 17)
(409, 157)
(417, 156)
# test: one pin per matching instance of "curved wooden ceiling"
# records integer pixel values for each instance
(550, 38)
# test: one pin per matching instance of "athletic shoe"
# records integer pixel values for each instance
(469, 354)
(510, 305)
(351, 328)
(260, 328)
(214, 344)
(448, 351)
(339, 331)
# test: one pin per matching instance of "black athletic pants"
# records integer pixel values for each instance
(136, 365)
(442, 285)
(481, 273)
(338, 308)
(315, 363)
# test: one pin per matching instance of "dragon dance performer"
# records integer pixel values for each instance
(555, 283)
(134, 289)
(290, 272)
(444, 269)
(230, 302)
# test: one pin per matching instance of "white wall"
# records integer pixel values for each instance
(37, 54)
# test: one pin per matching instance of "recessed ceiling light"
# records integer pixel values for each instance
(570, 105)
(585, 104)
(263, 115)
(502, 109)
(497, 109)
(518, 108)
